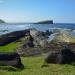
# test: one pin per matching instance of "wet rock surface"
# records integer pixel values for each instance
(10, 59)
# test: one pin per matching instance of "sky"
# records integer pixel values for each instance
(60, 11)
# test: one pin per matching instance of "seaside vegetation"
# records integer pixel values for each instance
(32, 65)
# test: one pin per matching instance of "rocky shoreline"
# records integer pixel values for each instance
(34, 42)
(16, 35)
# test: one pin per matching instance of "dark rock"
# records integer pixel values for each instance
(51, 57)
(13, 36)
(65, 56)
(29, 42)
(10, 59)
(47, 33)
(28, 51)
(72, 46)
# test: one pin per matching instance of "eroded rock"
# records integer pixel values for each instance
(64, 56)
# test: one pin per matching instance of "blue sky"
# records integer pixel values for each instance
(36, 10)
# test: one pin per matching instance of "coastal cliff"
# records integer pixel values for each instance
(1, 21)
(45, 22)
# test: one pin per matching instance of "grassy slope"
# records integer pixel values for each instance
(33, 65)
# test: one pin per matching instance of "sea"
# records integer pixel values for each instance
(11, 27)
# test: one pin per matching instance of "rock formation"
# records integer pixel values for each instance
(64, 56)
(39, 39)
(35, 43)
(13, 36)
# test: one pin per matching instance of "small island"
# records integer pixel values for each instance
(2, 21)
(45, 22)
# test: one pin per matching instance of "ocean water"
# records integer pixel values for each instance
(10, 27)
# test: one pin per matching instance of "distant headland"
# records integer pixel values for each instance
(40, 22)
(2, 21)
(45, 22)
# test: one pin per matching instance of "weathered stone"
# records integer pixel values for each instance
(38, 38)
(28, 42)
(51, 57)
(10, 59)
(28, 51)
(61, 35)
(65, 56)
(13, 36)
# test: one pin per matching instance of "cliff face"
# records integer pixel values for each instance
(1, 21)
(45, 22)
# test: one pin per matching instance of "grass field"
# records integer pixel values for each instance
(8, 48)
(32, 65)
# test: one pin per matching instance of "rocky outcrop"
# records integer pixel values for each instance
(31, 51)
(39, 39)
(61, 35)
(11, 59)
(11, 37)
(34, 44)
(64, 56)
(1, 21)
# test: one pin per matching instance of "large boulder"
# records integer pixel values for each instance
(64, 56)
(13, 36)
(27, 47)
(51, 57)
(61, 35)
(11, 59)
(39, 39)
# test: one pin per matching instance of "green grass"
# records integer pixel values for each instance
(32, 65)
(8, 48)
